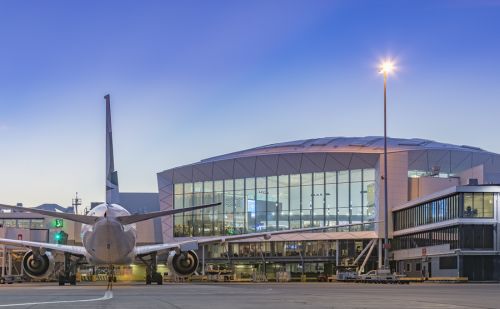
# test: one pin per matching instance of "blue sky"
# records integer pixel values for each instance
(194, 79)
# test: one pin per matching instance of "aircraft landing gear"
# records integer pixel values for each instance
(111, 277)
(152, 274)
(68, 275)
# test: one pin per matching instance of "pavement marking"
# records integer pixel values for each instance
(107, 295)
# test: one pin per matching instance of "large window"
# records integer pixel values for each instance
(478, 205)
(459, 205)
(276, 202)
(460, 236)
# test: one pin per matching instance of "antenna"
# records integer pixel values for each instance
(76, 202)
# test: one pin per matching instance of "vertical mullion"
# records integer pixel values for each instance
(289, 201)
(337, 198)
(311, 223)
(223, 232)
(245, 206)
(324, 199)
(202, 210)
(234, 205)
(300, 200)
(276, 207)
(255, 199)
(266, 191)
(213, 209)
(350, 198)
(362, 198)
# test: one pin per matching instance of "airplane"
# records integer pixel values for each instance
(109, 236)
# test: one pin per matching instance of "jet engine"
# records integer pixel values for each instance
(38, 266)
(183, 263)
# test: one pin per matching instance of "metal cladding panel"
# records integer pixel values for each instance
(496, 163)
(183, 174)
(335, 162)
(417, 160)
(165, 178)
(223, 169)
(481, 158)
(166, 196)
(244, 167)
(492, 177)
(460, 161)
(313, 162)
(266, 165)
(440, 158)
(165, 183)
(363, 161)
(489, 164)
(202, 172)
(289, 163)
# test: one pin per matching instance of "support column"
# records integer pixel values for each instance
(10, 264)
(3, 260)
(337, 253)
(203, 260)
(380, 253)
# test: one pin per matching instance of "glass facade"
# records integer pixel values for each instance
(298, 249)
(459, 237)
(460, 205)
(276, 203)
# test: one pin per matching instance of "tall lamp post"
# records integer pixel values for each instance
(386, 67)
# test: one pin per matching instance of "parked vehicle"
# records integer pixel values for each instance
(11, 279)
(380, 276)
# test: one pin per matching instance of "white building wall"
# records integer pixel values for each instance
(423, 186)
(397, 170)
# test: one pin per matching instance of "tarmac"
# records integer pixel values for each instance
(251, 295)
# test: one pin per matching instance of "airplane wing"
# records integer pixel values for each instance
(90, 220)
(150, 215)
(76, 250)
(193, 244)
(73, 217)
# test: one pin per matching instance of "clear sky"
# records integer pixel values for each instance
(194, 79)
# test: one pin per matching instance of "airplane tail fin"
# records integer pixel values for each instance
(112, 191)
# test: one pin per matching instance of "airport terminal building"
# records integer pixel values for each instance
(443, 199)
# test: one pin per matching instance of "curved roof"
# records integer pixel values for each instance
(367, 144)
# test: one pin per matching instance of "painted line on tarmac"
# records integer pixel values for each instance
(107, 295)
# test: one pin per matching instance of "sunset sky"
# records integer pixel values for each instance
(194, 79)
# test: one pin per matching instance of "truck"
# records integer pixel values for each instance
(380, 276)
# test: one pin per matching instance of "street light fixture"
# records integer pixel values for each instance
(386, 67)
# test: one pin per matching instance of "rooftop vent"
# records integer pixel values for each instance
(473, 182)
(435, 170)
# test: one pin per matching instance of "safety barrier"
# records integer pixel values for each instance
(93, 278)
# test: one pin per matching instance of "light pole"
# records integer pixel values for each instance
(385, 68)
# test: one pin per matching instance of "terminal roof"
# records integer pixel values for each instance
(367, 144)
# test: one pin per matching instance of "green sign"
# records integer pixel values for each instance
(58, 223)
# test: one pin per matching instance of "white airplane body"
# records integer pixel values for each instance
(109, 235)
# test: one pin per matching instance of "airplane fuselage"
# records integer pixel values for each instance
(108, 241)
